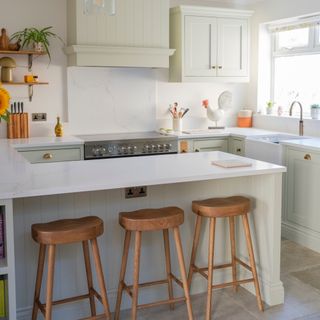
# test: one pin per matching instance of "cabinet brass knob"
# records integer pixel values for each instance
(238, 150)
(220, 67)
(197, 150)
(307, 157)
(213, 67)
(47, 156)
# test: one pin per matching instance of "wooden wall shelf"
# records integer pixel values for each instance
(30, 54)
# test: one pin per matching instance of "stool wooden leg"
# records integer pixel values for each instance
(51, 260)
(210, 266)
(233, 252)
(122, 273)
(136, 269)
(42, 255)
(252, 260)
(194, 249)
(183, 271)
(168, 264)
(86, 256)
(102, 286)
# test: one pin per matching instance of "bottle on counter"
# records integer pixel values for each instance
(58, 129)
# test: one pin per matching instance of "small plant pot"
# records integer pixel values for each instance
(315, 113)
(269, 110)
(38, 47)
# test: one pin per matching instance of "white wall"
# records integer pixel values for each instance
(105, 99)
(267, 11)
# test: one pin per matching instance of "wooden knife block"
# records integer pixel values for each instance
(18, 126)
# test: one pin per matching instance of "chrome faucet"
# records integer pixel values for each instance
(301, 119)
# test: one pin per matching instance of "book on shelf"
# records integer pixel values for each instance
(2, 237)
(3, 296)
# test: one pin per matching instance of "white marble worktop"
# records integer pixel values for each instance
(40, 142)
(19, 178)
(212, 133)
(310, 144)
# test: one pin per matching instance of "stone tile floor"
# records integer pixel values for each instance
(302, 300)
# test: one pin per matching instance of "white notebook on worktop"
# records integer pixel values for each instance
(231, 163)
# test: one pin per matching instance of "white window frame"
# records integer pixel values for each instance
(313, 47)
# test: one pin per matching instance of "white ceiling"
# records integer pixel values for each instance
(241, 2)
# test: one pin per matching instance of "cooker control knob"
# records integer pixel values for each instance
(110, 149)
(103, 151)
(96, 151)
(124, 149)
(147, 148)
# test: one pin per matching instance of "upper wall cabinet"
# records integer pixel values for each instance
(136, 36)
(211, 44)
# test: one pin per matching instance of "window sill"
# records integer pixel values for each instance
(270, 116)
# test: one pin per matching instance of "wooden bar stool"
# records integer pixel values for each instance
(223, 208)
(63, 232)
(152, 220)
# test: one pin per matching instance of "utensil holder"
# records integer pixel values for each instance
(177, 124)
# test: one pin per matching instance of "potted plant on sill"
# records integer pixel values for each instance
(315, 111)
(38, 38)
(270, 105)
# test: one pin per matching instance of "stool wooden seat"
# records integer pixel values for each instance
(62, 232)
(223, 208)
(152, 220)
(67, 230)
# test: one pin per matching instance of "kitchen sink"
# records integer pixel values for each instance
(277, 138)
(268, 147)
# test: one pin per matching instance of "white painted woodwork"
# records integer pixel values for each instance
(232, 48)
(237, 146)
(301, 221)
(200, 56)
(7, 265)
(136, 36)
(265, 220)
(212, 44)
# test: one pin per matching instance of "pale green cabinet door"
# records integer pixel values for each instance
(303, 188)
(237, 146)
(210, 145)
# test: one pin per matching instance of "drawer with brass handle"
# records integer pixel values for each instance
(52, 155)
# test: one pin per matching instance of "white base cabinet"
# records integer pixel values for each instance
(301, 220)
(211, 44)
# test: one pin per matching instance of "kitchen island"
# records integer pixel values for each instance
(31, 193)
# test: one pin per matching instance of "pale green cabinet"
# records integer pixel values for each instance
(55, 154)
(301, 220)
(206, 145)
(237, 146)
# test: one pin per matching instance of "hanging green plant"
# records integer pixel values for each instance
(38, 38)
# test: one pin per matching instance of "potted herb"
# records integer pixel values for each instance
(38, 38)
(270, 105)
(315, 111)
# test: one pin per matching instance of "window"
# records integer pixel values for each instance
(296, 66)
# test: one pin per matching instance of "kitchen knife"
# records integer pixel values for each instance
(10, 124)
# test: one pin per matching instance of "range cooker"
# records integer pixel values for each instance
(101, 146)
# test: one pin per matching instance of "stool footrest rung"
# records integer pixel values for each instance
(228, 284)
(176, 280)
(243, 264)
(159, 303)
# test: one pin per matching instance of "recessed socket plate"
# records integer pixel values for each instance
(135, 192)
(39, 117)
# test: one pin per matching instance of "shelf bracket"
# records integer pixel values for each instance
(30, 58)
(30, 91)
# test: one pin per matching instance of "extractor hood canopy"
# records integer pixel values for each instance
(136, 36)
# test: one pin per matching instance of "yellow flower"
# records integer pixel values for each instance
(4, 101)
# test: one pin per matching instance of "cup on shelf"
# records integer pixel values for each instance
(177, 124)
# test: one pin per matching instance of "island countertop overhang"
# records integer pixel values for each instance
(21, 179)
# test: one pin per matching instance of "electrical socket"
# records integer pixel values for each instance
(135, 192)
(39, 117)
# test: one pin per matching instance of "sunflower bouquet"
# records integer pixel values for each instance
(4, 103)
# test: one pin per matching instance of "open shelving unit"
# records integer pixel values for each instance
(30, 55)
(7, 264)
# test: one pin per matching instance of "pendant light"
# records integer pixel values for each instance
(92, 7)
